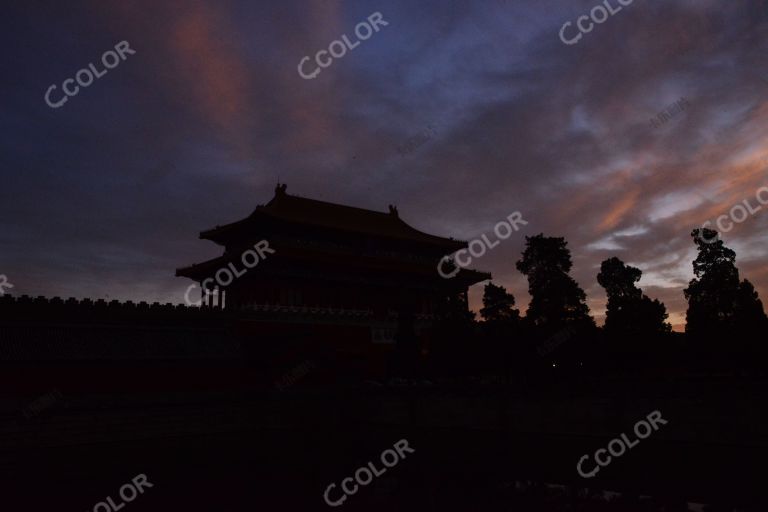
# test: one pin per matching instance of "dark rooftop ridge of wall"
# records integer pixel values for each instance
(42, 329)
(42, 309)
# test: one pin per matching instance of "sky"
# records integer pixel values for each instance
(460, 113)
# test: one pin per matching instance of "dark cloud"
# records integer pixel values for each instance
(107, 194)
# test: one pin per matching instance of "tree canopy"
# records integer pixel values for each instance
(718, 301)
(556, 299)
(629, 311)
(498, 304)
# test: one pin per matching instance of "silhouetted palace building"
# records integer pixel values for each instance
(305, 269)
(301, 283)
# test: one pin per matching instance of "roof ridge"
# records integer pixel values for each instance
(309, 199)
(318, 212)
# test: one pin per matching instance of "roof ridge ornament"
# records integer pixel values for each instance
(280, 189)
(393, 211)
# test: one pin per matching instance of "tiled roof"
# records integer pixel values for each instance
(300, 210)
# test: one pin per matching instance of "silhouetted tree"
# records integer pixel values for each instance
(498, 304)
(749, 308)
(502, 347)
(629, 311)
(557, 300)
(719, 303)
(454, 307)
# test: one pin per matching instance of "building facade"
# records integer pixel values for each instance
(310, 270)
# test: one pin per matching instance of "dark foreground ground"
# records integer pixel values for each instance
(477, 447)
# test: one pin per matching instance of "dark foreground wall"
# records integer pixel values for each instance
(84, 345)
(218, 418)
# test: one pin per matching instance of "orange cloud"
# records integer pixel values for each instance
(216, 77)
(194, 53)
(619, 210)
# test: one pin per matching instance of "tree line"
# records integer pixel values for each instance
(725, 319)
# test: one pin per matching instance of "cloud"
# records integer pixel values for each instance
(107, 195)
